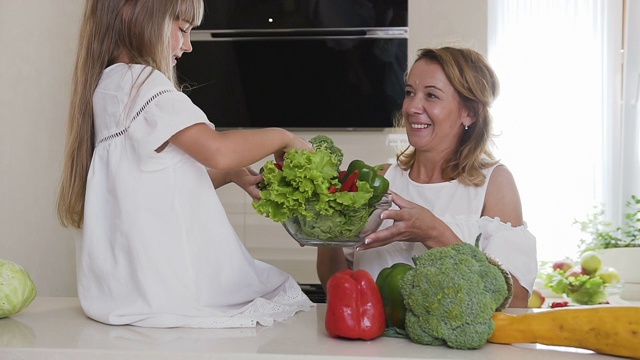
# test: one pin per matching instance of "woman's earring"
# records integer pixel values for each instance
(466, 127)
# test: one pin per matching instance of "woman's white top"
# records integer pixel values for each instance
(460, 207)
(157, 248)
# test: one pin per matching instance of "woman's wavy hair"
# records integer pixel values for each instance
(141, 30)
(477, 87)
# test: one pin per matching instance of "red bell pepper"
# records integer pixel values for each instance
(350, 183)
(354, 306)
(342, 176)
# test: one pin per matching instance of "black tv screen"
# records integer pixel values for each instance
(309, 73)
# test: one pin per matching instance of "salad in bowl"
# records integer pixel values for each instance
(319, 204)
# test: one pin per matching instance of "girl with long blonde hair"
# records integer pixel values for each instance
(141, 166)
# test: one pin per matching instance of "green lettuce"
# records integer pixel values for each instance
(300, 191)
(17, 290)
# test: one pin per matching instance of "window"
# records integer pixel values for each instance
(558, 114)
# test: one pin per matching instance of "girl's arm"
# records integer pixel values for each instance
(235, 149)
(245, 177)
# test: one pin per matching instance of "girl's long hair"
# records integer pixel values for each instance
(137, 29)
(477, 86)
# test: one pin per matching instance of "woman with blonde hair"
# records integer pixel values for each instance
(447, 185)
(141, 166)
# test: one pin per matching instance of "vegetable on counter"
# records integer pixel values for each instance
(17, 290)
(605, 329)
(354, 306)
(307, 188)
(452, 294)
(388, 281)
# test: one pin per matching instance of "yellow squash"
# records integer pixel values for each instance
(606, 329)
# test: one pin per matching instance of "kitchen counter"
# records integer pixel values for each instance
(56, 328)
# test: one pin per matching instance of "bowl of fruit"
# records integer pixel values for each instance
(585, 282)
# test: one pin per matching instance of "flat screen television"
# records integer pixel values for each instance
(298, 64)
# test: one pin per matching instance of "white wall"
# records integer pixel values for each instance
(38, 40)
(434, 23)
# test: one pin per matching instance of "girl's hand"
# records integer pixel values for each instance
(412, 223)
(248, 180)
(295, 142)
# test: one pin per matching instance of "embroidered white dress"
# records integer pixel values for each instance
(460, 207)
(157, 248)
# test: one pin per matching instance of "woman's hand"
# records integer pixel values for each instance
(413, 223)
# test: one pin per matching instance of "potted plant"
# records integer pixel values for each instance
(602, 234)
(617, 245)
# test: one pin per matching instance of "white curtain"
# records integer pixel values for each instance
(630, 164)
(558, 114)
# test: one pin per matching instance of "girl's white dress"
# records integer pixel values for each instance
(157, 248)
(460, 207)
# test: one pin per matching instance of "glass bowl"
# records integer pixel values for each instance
(293, 227)
(610, 295)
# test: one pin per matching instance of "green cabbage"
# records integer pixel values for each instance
(17, 290)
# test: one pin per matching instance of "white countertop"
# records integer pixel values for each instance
(56, 328)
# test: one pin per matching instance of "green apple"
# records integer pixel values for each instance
(609, 275)
(591, 262)
(536, 300)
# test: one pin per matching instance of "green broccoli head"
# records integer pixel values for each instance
(451, 295)
(323, 142)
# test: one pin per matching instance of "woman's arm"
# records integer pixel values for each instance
(502, 201)
(329, 261)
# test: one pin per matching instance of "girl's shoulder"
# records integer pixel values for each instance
(150, 77)
(135, 75)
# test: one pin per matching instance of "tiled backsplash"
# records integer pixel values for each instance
(268, 241)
